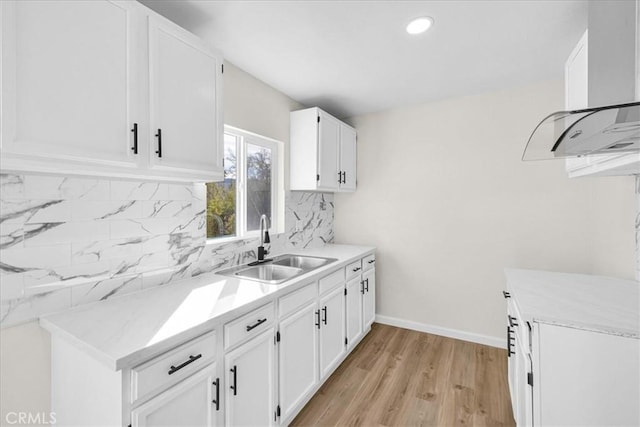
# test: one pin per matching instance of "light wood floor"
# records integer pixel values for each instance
(398, 377)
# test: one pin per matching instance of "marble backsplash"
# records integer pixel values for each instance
(70, 241)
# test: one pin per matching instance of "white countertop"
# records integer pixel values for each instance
(124, 331)
(596, 303)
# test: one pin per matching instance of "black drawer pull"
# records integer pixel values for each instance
(506, 294)
(255, 325)
(135, 138)
(512, 321)
(318, 318)
(371, 261)
(324, 314)
(192, 359)
(234, 387)
(159, 136)
(356, 269)
(217, 399)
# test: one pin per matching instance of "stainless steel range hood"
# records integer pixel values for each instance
(602, 91)
(592, 131)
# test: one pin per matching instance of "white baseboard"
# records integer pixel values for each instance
(439, 330)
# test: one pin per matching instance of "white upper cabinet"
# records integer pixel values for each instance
(322, 152)
(85, 85)
(69, 75)
(185, 80)
(348, 156)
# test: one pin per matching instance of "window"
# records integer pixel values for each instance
(250, 187)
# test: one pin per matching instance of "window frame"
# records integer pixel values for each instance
(243, 138)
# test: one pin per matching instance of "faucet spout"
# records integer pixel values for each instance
(264, 237)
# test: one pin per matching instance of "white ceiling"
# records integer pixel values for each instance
(354, 57)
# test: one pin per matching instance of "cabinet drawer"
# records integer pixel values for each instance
(156, 374)
(368, 262)
(331, 281)
(353, 269)
(248, 326)
(292, 301)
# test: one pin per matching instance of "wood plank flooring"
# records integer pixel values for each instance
(398, 377)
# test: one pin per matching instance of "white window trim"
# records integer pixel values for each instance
(277, 186)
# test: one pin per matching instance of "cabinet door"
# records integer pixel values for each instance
(69, 79)
(332, 333)
(524, 393)
(328, 146)
(369, 297)
(189, 403)
(355, 292)
(348, 158)
(298, 363)
(250, 390)
(185, 89)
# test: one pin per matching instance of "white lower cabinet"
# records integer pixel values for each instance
(332, 334)
(298, 358)
(193, 402)
(567, 376)
(354, 316)
(250, 392)
(369, 297)
(257, 369)
(360, 298)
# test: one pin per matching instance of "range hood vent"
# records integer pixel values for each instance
(592, 131)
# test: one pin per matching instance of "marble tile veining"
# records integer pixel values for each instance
(67, 241)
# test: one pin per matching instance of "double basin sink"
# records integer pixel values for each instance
(279, 269)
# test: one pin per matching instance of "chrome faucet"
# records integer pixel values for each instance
(264, 237)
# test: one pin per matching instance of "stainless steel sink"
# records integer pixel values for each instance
(269, 273)
(278, 270)
(303, 262)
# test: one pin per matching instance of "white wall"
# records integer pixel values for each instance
(444, 196)
(24, 350)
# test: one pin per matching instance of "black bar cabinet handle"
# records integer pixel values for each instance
(135, 138)
(344, 177)
(509, 353)
(366, 281)
(339, 177)
(318, 318)
(506, 294)
(234, 387)
(217, 399)
(192, 359)
(324, 314)
(255, 325)
(159, 136)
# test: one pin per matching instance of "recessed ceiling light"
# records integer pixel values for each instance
(420, 25)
